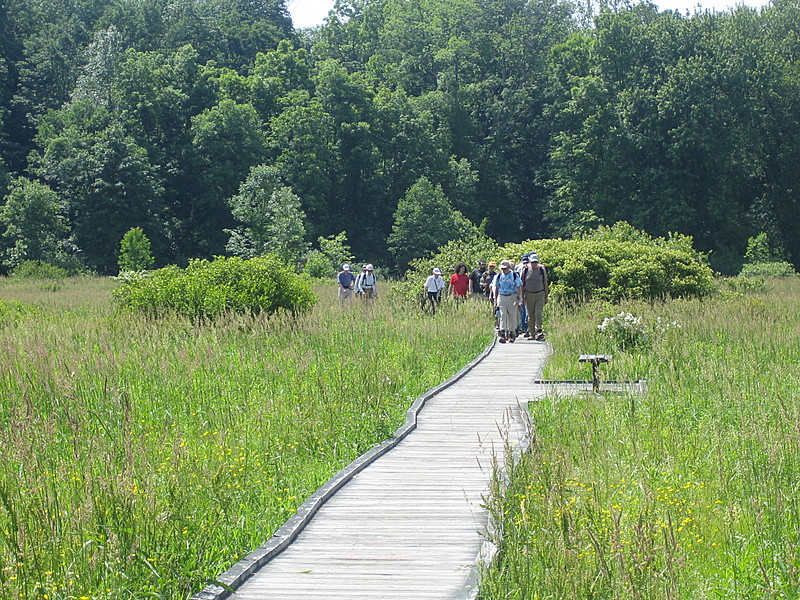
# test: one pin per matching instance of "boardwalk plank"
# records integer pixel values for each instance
(412, 523)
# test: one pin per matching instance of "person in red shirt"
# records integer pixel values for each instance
(459, 282)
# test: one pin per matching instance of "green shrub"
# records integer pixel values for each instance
(208, 289)
(37, 269)
(617, 263)
(742, 283)
(317, 265)
(768, 270)
(468, 251)
(10, 311)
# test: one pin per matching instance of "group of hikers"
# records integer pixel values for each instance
(364, 285)
(517, 293)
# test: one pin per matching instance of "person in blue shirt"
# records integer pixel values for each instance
(346, 281)
(507, 292)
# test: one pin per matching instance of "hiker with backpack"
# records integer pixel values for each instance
(486, 281)
(507, 292)
(535, 290)
(367, 283)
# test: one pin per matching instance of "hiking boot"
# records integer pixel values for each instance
(512, 337)
(539, 336)
(502, 337)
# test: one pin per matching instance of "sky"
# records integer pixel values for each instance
(308, 13)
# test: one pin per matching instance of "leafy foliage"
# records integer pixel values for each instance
(206, 290)
(271, 217)
(424, 221)
(37, 269)
(539, 119)
(619, 262)
(326, 261)
(32, 224)
(468, 251)
(134, 251)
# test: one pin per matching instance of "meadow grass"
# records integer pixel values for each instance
(690, 491)
(141, 458)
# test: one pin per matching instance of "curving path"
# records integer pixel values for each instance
(411, 524)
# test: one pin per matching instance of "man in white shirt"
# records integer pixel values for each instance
(434, 285)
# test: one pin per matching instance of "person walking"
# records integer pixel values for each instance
(535, 289)
(459, 282)
(475, 280)
(522, 328)
(507, 291)
(486, 280)
(367, 283)
(347, 282)
(434, 285)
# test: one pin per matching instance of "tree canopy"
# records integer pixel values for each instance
(536, 118)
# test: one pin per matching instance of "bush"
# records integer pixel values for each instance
(37, 269)
(469, 251)
(208, 289)
(626, 331)
(768, 270)
(11, 311)
(619, 263)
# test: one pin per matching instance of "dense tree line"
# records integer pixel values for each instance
(520, 118)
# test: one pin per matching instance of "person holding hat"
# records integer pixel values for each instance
(346, 281)
(367, 283)
(434, 285)
(507, 292)
(535, 289)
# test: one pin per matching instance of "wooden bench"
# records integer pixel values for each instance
(595, 359)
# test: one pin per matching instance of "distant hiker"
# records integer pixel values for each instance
(367, 283)
(434, 285)
(475, 278)
(459, 282)
(347, 282)
(486, 280)
(535, 290)
(522, 328)
(507, 291)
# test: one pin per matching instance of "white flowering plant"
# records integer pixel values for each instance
(626, 331)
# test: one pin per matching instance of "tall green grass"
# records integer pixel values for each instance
(141, 458)
(692, 491)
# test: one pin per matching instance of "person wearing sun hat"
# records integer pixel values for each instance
(507, 293)
(346, 281)
(434, 285)
(535, 289)
(367, 283)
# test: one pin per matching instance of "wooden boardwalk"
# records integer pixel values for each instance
(410, 525)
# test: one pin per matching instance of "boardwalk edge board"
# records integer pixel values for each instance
(232, 579)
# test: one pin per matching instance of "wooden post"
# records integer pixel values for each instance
(595, 359)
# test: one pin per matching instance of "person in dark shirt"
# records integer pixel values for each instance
(475, 285)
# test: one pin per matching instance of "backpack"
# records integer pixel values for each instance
(525, 276)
